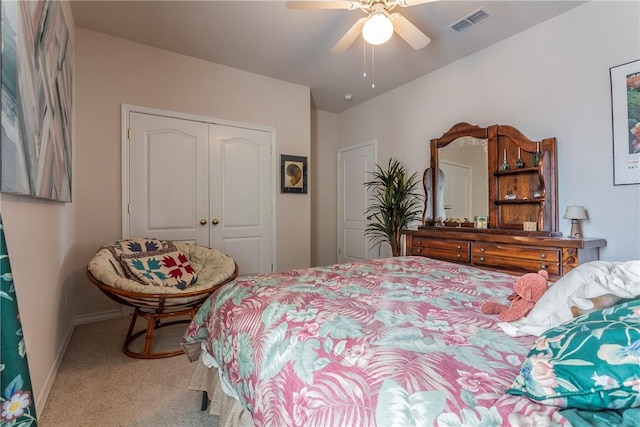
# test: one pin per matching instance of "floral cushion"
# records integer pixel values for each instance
(138, 245)
(160, 268)
(591, 362)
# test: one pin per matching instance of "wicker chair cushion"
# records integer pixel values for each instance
(160, 268)
(211, 266)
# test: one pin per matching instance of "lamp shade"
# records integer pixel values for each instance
(575, 212)
(378, 28)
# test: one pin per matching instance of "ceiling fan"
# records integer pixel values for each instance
(379, 24)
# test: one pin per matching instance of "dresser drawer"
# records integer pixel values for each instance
(461, 256)
(515, 264)
(449, 250)
(538, 254)
(447, 245)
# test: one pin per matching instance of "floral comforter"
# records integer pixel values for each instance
(388, 342)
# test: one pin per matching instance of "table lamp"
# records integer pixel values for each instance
(575, 214)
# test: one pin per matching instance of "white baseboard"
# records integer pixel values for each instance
(78, 320)
(44, 393)
(97, 317)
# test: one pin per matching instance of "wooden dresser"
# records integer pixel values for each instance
(507, 252)
(520, 184)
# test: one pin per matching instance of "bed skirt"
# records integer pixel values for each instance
(228, 409)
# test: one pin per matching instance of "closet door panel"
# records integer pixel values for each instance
(168, 171)
(240, 161)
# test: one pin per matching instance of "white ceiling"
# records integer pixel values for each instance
(265, 37)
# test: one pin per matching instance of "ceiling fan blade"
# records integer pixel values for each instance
(409, 32)
(407, 3)
(349, 37)
(320, 4)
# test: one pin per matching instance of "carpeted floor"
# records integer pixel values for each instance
(97, 385)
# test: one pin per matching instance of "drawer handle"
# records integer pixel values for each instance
(481, 249)
(543, 266)
(543, 256)
(418, 243)
(459, 247)
(419, 250)
(459, 256)
(482, 258)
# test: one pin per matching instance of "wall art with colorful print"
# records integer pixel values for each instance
(625, 109)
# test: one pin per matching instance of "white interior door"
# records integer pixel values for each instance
(168, 178)
(241, 209)
(204, 183)
(354, 169)
(457, 190)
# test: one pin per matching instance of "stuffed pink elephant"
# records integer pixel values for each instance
(528, 290)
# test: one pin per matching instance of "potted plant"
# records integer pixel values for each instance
(395, 204)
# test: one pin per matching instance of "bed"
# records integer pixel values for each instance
(397, 341)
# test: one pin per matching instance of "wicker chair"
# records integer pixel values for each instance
(161, 306)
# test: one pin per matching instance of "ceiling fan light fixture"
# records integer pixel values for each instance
(378, 29)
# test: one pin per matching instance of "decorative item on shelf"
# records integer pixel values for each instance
(575, 214)
(458, 222)
(536, 155)
(513, 191)
(530, 226)
(536, 194)
(505, 165)
(451, 222)
(519, 162)
(481, 222)
(467, 223)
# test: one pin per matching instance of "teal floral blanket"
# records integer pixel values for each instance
(16, 397)
(388, 342)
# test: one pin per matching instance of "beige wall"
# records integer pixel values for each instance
(324, 139)
(552, 80)
(112, 71)
(40, 238)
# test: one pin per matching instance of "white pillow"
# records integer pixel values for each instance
(589, 280)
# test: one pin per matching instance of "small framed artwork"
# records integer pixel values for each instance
(625, 114)
(293, 174)
(481, 222)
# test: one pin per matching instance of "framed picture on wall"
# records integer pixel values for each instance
(625, 113)
(293, 174)
(37, 83)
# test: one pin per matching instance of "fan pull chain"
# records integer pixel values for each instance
(373, 67)
(364, 58)
(364, 63)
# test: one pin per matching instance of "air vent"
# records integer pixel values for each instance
(470, 20)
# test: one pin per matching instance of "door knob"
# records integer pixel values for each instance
(215, 221)
(203, 221)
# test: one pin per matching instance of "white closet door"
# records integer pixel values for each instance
(354, 169)
(241, 207)
(168, 178)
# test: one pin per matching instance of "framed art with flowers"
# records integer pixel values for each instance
(625, 113)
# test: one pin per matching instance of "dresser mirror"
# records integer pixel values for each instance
(494, 173)
(461, 158)
(464, 165)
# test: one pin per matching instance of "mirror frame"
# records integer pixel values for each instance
(457, 131)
